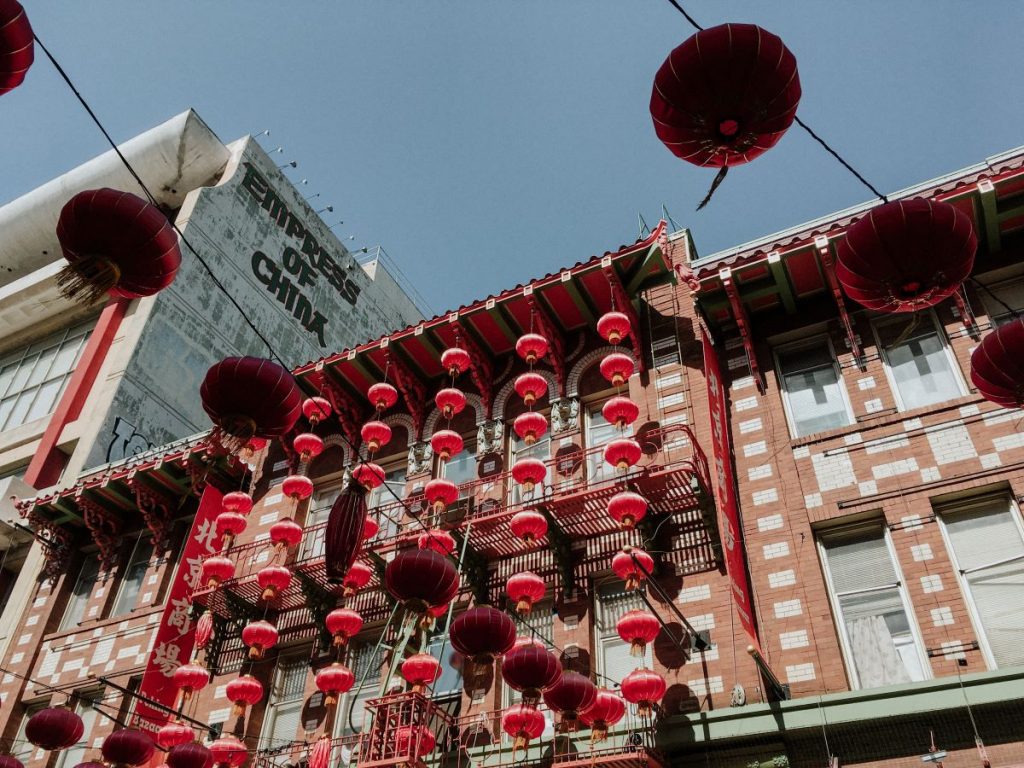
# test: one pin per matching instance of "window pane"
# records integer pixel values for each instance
(451, 667)
(80, 595)
(984, 536)
(600, 433)
(813, 393)
(46, 399)
(76, 754)
(998, 594)
(134, 575)
(41, 367)
(539, 450)
(861, 563)
(921, 369)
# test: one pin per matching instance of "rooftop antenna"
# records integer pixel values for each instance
(644, 229)
(278, 150)
(668, 217)
(329, 209)
(292, 164)
(337, 224)
(261, 133)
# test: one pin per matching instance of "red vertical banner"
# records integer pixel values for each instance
(725, 490)
(175, 635)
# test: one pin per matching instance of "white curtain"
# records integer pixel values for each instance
(874, 653)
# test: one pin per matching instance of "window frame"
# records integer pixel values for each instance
(997, 315)
(122, 579)
(266, 739)
(787, 408)
(90, 560)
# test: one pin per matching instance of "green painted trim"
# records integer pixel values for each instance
(580, 301)
(504, 321)
(651, 259)
(785, 289)
(990, 220)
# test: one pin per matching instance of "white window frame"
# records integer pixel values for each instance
(515, 496)
(606, 473)
(837, 613)
(947, 349)
(123, 577)
(796, 346)
(90, 560)
(271, 714)
(86, 709)
(961, 577)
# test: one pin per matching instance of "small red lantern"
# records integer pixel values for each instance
(997, 365)
(613, 326)
(622, 452)
(190, 754)
(529, 472)
(522, 723)
(17, 49)
(530, 668)
(608, 709)
(620, 411)
(450, 401)
(127, 747)
(531, 387)
(316, 409)
(370, 528)
(414, 740)
(343, 624)
(204, 629)
(531, 347)
(437, 540)
(526, 588)
(297, 487)
(482, 633)
(189, 678)
(285, 533)
(455, 360)
(446, 443)
(617, 368)
(421, 670)
(530, 426)
(243, 692)
(357, 577)
(273, 580)
(229, 525)
(440, 493)
(174, 733)
(643, 687)
(627, 508)
(259, 636)
(420, 578)
(237, 501)
(228, 752)
(528, 525)
(369, 475)
(333, 681)
(572, 694)
(638, 628)
(632, 565)
(216, 570)
(375, 434)
(308, 445)
(382, 395)
(54, 728)
(249, 396)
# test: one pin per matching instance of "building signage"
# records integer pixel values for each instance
(175, 635)
(725, 490)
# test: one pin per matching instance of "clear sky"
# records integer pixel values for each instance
(484, 143)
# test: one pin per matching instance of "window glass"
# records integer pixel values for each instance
(599, 433)
(919, 363)
(812, 391)
(382, 503)
(79, 599)
(313, 538)
(1000, 299)
(134, 575)
(75, 754)
(520, 450)
(22, 748)
(461, 469)
(614, 658)
(287, 696)
(366, 666)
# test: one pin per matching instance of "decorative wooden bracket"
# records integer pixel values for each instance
(414, 393)
(320, 602)
(561, 548)
(739, 314)
(57, 542)
(104, 527)
(623, 304)
(348, 413)
(481, 369)
(156, 510)
(547, 327)
(829, 265)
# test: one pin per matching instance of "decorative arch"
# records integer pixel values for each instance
(404, 421)
(508, 388)
(572, 384)
(473, 400)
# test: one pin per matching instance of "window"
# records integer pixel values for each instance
(879, 640)
(461, 469)
(614, 660)
(988, 553)
(366, 667)
(76, 753)
(384, 497)
(918, 362)
(1001, 298)
(287, 697)
(599, 433)
(22, 748)
(540, 623)
(134, 575)
(33, 378)
(449, 684)
(79, 599)
(812, 389)
(313, 539)
(520, 450)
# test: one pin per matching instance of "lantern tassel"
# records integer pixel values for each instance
(637, 648)
(88, 279)
(255, 653)
(320, 755)
(598, 733)
(270, 593)
(523, 606)
(238, 710)
(719, 178)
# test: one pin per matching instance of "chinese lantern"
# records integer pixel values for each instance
(237, 501)
(531, 387)
(440, 493)
(297, 487)
(419, 578)
(54, 728)
(531, 347)
(414, 740)
(10, 761)
(530, 668)
(344, 534)
(572, 694)
(622, 452)
(333, 681)
(997, 365)
(616, 367)
(530, 426)
(91, 764)
(421, 670)
(369, 475)
(613, 326)
(643, 687)
(526, 588)
(216, 570)
(450, 401)
(608, 708)
(189, 678)
(528, 525)
(638, 628)
(243, 692)
(382, 395)
(522, 723)
(316, 409)
(174, 733)
(357, 577)
(376, 434)
(285, 533)
(627, 508)
(273, 580)
(481, 633)
(433, 612)
(343, 624)
(455, 360)
(204, 629)
(320, 754)
(632, 565)
(906, 255)
(259, 636)
(308, 445)
(190, 754)
(127, 747)
(247, 396)
(229, 525)
(620, 411)
(441, 542)
(370, 528)
(529, 472)
(17, 50)
(228, 752)
(446, 443)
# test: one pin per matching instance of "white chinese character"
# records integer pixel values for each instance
(206, 535)
(179, 616)
(166, 658)
(195, 566)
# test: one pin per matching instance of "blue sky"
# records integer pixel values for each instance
(484, 143)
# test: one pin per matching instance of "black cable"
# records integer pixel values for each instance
(687, 16)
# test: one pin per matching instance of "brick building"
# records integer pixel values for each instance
(879, 561)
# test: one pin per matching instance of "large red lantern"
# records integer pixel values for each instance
(446, 443)
(229, 525)
(376, 434)
(54, 728)
(421, 670)
(643, 687)
(259, 636)
(174, 733)
(440, 493)
(237, 501)
(530, 426)
(440, 541)
(531, 347)
(528, 525)
(450, 401)
(529, 472)
(620, 411)
(273, 580)
(613, 326)
(243, 692)
(334, 680)
(531, 387)
(382, 395)
(190, 754)
(638, 628)
(343, 624)
(627, 508)
(530, 668)
(247, 396)
(344, 533)
(906, 255)
(316, 409)
(572, 694)
(17, 49)
(189, 678)
(483, 632)
(622, 452)
(115, 243)
(525, 588)
(616, 367)
(357, 577)
(285, 534)
(228, 752)
(414, 740)
(420, 578)
(997, 365)
(632, 566)
(127, 747)
(608, 708)
(455, 360)
(297, 487)
(308, 446)
(522, 723)
(216, 570)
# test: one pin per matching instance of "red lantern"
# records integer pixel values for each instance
(420, 671)
(204, 629)
(343, 624)
(247, 396)
(228, 752)
(229, 525)
(237, 501)
(608, 708)
(285, 533)
(297, 487)
(613, 326)
(54, 728)
(644, 688)
(273, 580)
(375, 434)
(369, 475)
(626, 567)
(440, 493)
(414, 740)
(522, 723)
(529, 472)
(620, 411)
(530, 668)
(173, 733)
(189, 678)
(526, 588)
(419, 578)
(17, 51)
(259, 636)
(450, 401)
(243, 692)
(617, 367)
(531, 387)
(357, 577)
(638, 628)
(437, 540)
(622, 452)
(627, 508)
(216, 570)
(531, 347)
(190, 754)
(572, 694)
(725, 95)
(333, 681)
(320, 754)
(455, 360)
(530, 426)
(446, 443)
(316, 409)
(382, 395)
(344, 534)
(370, 528)
(433, 612)
(308, 445)
(127, 747)
(528, 525)
(9, 761)
(997, 365)
(482, 633)
(906, 255)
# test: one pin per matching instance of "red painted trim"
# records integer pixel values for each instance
(49, 461)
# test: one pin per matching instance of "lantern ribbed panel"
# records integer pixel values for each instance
(482, 633)
(997, 365)
(252, 390)
(17, 47)
(344, 534)
(420, 578)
